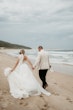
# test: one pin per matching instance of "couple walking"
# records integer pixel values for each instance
(21, 80)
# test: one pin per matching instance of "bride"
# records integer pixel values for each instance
(21, 80)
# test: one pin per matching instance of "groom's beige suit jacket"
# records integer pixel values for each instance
(42, 60)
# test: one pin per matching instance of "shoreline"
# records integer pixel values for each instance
(57, 67)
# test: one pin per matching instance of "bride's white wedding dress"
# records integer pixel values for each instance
(22, 82)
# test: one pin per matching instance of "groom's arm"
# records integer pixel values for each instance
(37, 61)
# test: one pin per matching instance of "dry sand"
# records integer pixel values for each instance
(60, 85)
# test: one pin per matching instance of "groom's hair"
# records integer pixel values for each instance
(40, 47)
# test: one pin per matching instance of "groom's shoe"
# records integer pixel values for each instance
(46, 85)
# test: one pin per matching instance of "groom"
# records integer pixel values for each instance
(43, 62)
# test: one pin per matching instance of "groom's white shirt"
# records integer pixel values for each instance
(42, 60)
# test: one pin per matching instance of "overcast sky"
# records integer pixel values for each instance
(37, 22)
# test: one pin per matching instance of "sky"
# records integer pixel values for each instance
(37, 22)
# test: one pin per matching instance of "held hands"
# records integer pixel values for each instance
(33, 68)
(11, 70)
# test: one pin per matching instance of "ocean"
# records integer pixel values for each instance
(61, 61)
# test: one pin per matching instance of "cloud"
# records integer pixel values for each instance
(36, 12)
(42, 20)
(20, 10)
(70, 37)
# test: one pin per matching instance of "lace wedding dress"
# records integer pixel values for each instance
(22, 82)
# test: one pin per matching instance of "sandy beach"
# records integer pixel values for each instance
(60, 85)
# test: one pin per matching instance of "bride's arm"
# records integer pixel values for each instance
(15, 65)
(27, 59)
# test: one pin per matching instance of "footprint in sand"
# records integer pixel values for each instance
(1, 98)
(21, 103)
(1, 93)
(45, 107)
(57, 94)
(69, 100)
(4, 105)
(55, 83)
(24, 104)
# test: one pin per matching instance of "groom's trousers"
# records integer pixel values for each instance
(42, 75)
